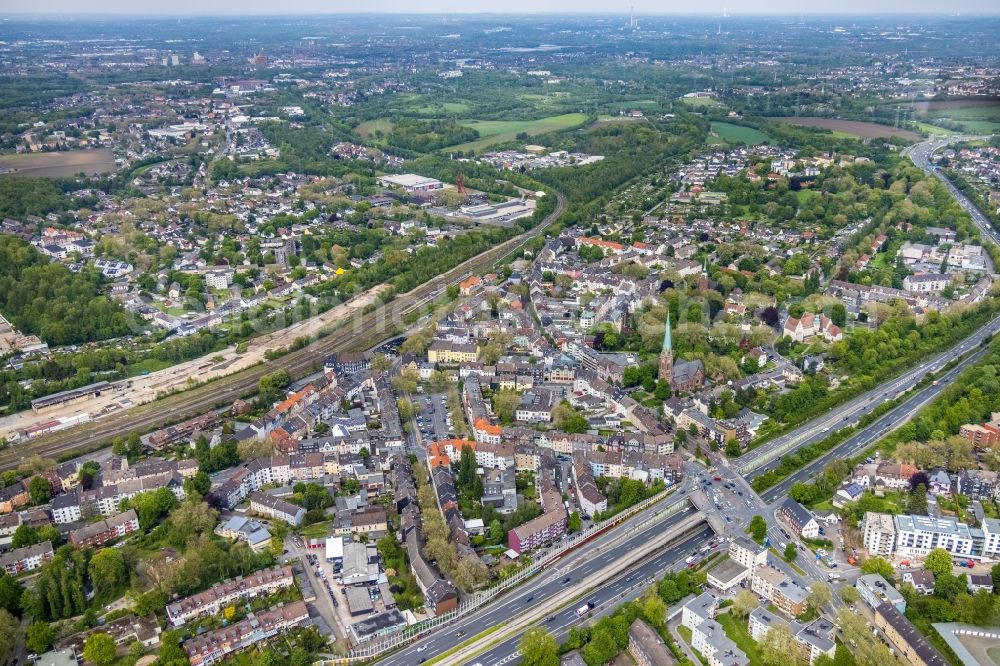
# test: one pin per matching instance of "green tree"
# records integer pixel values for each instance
(743, 603)
(849, 595)
(100, 649)
(505, 402)
(108, 570)
(757, 528)
(10, 631)
(938, 562)
(24, 535)
(916, 503)
(878, 565)
(10, 594)
(496, 531)
(539, 648)
(40, 490)
(39, 637)
(791, 552)
(568, 419)
(574, 524)
(200, 483)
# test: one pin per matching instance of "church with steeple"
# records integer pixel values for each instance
(684, 375)
(667, 355)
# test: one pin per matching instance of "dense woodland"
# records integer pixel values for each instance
(47, 299)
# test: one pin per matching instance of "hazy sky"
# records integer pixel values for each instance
(187, 7)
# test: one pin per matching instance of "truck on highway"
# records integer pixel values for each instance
(586, 608)
(689, 560)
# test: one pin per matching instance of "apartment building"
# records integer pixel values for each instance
(876, 590)
(29, 558)
(909, 643)
(879, 534)
(747, 553)
(646, 646)
(918, 535)
(277, 508)
(708, 636)
(778, 588)
(106, 530)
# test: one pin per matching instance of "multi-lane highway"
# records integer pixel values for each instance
(595, 556)
(921, 154)
(880, 427)
(767, 455)
(626, 585)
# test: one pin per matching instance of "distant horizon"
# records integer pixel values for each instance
(734, 9)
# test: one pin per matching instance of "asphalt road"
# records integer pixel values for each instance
(921, 154)
(627, 586)
(883, 425)
(769, 454)
(592, 557)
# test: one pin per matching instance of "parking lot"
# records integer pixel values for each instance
(433, 421)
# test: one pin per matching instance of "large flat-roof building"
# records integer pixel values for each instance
(879, 534)
(918, 535)
(410, 182)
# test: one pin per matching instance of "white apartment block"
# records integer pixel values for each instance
(880, 534)
(918, 535)
(991, 537)
(745, 552)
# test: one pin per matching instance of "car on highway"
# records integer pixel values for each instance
(566, 580)
(529, 600)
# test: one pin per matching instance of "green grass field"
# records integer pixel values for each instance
(701, 101)
(500, 131)
(934, 130)
(368, 128)
(739, 134)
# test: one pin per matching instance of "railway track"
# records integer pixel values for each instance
(355, 335)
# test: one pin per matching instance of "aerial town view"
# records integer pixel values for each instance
(553, 333)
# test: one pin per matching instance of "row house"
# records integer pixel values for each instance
(213, 646)
(229, 592)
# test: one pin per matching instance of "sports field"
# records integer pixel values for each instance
(500, 131)
(739, 134)
(61, 164)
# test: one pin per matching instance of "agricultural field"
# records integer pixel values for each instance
(973, 115)
(739, 134)
(61, 164)
(372, 128)
(500, 131)
(854, 128)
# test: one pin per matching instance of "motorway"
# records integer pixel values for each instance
(597, 554)
(627, 585)
(883, 425)
(354, 335)
(767, 455)
(921, 153)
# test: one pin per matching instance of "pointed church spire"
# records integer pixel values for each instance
(667, 346)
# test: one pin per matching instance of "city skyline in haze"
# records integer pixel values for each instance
(313, 7)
